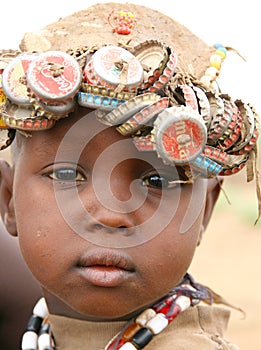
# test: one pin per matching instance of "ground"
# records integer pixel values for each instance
(228, 260)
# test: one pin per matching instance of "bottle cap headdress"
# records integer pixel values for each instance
(143, 73)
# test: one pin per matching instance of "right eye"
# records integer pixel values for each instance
(66, 174)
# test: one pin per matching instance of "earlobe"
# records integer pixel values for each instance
(213, 191)
(6, 197)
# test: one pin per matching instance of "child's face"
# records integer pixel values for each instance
(112, 242)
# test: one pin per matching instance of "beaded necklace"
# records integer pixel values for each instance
(138, 332)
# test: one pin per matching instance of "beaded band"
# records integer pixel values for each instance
(138, 333)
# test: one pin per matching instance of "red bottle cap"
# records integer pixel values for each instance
(54, 76)
(14, 79)
(180, 135)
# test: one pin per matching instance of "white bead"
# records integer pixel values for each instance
(29, 341)
(40, 308)
(206, 80)
(44, 341)
(212, 72)
(157, 323)
(145, 316)
(183, 302)
(128, 346)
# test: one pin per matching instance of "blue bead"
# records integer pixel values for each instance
(220, 47)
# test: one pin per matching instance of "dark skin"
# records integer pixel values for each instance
(105, 230)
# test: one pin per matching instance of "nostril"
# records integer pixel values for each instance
(98, 226)
(126, 231)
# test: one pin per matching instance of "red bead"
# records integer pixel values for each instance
(119, 343)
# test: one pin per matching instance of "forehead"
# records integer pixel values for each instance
(81, 138)
(80, 134)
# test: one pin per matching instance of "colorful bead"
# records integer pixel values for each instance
(125, 22)
(142, 338)
(212, 72)
(183, 302)
(115, 343)
(40, 308)
(34, 324)
(29, 341)
(216, 61)
(157, 323)
(131, 330)
(221, 53)
(128, 346)
(44, 342)
(171, 311)
(145, 316)
(221, 48)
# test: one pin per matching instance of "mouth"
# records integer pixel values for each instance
(106, 268)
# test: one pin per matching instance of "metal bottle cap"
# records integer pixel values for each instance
(153, 55)
(54, 76)
(180, 135)
(115, 66)
(129, 108)
(14, 79)
(21, 118)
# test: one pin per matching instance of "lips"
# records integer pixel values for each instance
(106, 268)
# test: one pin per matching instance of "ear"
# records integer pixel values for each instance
(6, 197)
(213, 191)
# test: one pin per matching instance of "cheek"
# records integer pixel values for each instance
(38, 220)
(169, 254)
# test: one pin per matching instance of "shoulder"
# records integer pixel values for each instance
(199, 327)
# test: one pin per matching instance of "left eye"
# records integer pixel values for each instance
(164, 179)
(66, 174)
(156, 181)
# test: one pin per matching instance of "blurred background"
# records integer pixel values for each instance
(229, 257)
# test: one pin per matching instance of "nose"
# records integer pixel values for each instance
(113, 200)
(109, 210)
(103, 221)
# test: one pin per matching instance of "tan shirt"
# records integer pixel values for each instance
(198, 328)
